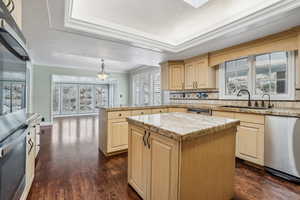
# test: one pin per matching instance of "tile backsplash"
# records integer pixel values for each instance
(212, 97)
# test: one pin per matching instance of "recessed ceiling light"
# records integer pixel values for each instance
(196, 3)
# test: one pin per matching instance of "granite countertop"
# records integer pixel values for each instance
(132, 107)
(183, 126)
(289, 112)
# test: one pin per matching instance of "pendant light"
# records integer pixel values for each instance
(102, 74)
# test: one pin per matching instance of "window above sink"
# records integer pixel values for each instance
(270, 73)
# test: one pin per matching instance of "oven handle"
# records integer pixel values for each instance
(5, 149)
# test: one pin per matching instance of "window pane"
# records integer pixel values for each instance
(17, 94)
(271, 73)
(156, 89)
(85, 98)
(56, 98)
(69, 98)
(262, 71)
(236, 75)
(6, 104)
(101, 96)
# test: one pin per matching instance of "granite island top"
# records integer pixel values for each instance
(289, 112)
(183, 126)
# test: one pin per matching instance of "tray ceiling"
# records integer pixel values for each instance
(170, 25)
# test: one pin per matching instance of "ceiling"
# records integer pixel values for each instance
(133, 33)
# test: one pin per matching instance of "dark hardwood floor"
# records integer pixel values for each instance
(71, 168)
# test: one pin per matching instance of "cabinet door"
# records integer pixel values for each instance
(117, 135)
(137, 170)
(250, 142)
(30, 161)
(176, 77)
(163, 173)
(190, 76)
(202, 71)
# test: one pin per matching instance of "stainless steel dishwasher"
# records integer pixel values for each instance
(282, 147)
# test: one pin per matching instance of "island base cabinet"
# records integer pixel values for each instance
(163, 174)
(160, 168)
(137, 160)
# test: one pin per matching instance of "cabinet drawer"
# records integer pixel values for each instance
(141, 112)
(177, 110)
(163, 110)
(118, 114)
(250, 118)
(223, 114)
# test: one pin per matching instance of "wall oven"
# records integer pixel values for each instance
(13, 164)
(13, 88)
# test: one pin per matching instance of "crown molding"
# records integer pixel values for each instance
(148, 41)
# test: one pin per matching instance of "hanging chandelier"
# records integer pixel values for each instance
(102, 74)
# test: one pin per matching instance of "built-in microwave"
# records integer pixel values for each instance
(13, 64)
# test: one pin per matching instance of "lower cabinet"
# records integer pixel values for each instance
(161, 168)
(117, 134)
(30, 161)
(163, 172)
(249, 137)
(137, 161)
(152, 165)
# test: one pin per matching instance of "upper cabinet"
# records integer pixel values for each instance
(16, 7)
(191, 74)
(172, 75)
(198, 74)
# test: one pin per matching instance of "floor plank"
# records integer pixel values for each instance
(71, 168)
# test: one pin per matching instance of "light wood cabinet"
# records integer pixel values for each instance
(177, 110)
(176, 77)
(137, 161)
(198, 74)
(160, 168)
(113, 131)
(172, 75)
(189, 74)
(163, 173)
(117, 135)
(191, 78)
(156, 111)
(249, 137)
(141, 112)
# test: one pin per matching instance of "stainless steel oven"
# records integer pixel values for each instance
(13, 88)
(13, 164)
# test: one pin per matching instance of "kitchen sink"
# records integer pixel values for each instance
(246, 107)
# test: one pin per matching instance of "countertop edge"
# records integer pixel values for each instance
(189, 136)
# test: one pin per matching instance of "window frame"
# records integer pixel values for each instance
(291, 78)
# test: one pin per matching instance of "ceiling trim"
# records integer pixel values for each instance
(42, 64)
(138, 38)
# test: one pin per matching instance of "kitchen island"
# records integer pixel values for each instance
(179, 156)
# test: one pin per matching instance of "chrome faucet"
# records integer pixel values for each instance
(244, 90)
(263, 103)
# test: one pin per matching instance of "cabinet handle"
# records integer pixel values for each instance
(196, 84)
(120, 115)
(144, 138)
(31, 145)
(148, 141)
